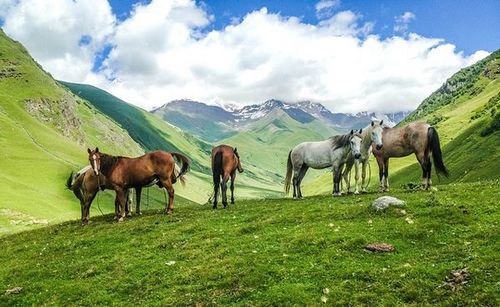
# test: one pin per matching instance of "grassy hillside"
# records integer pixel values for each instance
(270, 252)
(44, 134)
(264, 145)
(466, 113)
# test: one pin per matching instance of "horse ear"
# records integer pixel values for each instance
(373, 123)
(360, 130)
(235, 149)
(97, 149)
(381, 122)
(352, 132)
(89, 151)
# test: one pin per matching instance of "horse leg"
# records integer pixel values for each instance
(170, 189)
(121, 197)
(336, 169)
(86, 208)
(302, 173)
(363, 176)
(128, 201)
(138, 192)
(386, 174)
(346, 173)
(380, 162)
(356, 177)
(423, 164)
(224, 190)
(295, 180)
(233, 176)
(216, 191)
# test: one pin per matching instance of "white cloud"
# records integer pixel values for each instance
(164, 51)
(325, 8)
(403, 21)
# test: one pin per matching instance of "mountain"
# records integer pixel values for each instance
(213, 123)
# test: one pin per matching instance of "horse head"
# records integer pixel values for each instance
(376, 134)
(95, 160)
(356, 140)
(238, 161)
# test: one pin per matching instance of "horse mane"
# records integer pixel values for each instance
(108, 162)
(236, 154)
(339, 141)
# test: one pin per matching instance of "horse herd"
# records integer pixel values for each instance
(340, 153)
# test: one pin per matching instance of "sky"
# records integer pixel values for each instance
(351, 56)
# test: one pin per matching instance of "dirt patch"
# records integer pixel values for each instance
(456, 279)
(379, 247)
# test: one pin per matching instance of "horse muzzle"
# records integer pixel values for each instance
(379, 147)
(240, 170)
(357, 156)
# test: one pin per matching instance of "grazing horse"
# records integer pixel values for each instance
(225, 162)
(370, 134)
(419, 138)
(122, 173)
(85, 185)
(319, 155)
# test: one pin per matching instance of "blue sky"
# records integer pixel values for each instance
(470, 25)
(351, 56)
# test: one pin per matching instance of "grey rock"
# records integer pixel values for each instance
(385, 202)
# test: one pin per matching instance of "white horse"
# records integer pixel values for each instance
(319, 155)
(370, 134)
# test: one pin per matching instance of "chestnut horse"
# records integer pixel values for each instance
(225, 162)
(122, 173)
(419, 138)
(85, 185)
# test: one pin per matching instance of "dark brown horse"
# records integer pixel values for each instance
(85, 185)
(225, 162)
(122, 173)
(419, 138)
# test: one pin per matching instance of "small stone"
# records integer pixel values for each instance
(409, 220)
(326, 291)
(324, 299)
(170, 263)
(370, 221)
(331, 225)
(380, 247)
(14, 290)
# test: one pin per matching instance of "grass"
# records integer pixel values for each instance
(267, 252)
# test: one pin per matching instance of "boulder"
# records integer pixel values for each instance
(385, 202)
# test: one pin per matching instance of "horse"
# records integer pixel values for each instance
(419, 138)
(370, 134)
(122, 173)
(85, 185)
(225, 162)
(332, 152)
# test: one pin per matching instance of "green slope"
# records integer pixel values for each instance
(264, 145)
(146, 129)
(463, 109)
(269, 252)
(44, 132)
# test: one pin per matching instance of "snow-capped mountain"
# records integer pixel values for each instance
(211, 122)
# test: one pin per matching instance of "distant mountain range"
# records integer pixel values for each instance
(213, 123)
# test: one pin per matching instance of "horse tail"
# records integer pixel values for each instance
(69, 181)
(434, 146)
(217, 168)
(288, 177)
(186, 164)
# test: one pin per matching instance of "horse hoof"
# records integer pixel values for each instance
(364, 191)
(138, 213)
(121, 219)
(129, 214)
(170, 212)
(356, 192)
(337, 194)
(214, 207)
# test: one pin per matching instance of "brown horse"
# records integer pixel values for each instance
(225, 162)
(122, 173)
(85, 185)
(419, 138)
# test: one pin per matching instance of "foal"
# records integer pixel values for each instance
(225, 162)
